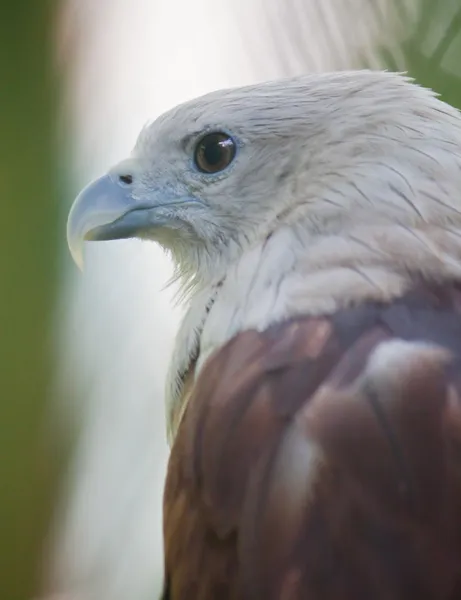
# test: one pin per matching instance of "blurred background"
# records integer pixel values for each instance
(83, 357)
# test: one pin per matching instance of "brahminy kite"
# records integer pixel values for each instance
(314, 396)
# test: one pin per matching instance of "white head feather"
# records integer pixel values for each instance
(328, 149)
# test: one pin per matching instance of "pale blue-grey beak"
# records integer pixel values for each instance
(105, 210)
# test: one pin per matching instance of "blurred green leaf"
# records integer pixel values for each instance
(430, 49)
(28, 275)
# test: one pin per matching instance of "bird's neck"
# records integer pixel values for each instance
(294, 272)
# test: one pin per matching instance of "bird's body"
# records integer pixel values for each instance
(314, 396)
(296, 473)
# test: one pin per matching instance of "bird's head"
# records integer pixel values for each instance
(218, 174)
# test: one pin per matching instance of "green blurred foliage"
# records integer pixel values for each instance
(29, 212)
(430, 50)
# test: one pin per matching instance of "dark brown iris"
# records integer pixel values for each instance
(214, 152)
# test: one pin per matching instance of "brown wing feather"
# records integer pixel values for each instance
(307, 466)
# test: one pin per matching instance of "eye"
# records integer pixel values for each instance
(214, 152)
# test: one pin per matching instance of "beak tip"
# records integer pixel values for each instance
(74, 243)
(76, 250)
(78, 260)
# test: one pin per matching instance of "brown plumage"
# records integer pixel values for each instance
(380, 514)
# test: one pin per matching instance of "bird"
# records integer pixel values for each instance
(313, 401)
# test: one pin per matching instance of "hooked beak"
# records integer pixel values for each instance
(106, 210)
(95, 211)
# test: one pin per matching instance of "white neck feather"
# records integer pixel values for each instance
(291, 275)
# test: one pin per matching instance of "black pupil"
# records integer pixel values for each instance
(215, 152)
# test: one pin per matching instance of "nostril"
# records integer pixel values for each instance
(128, 179)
